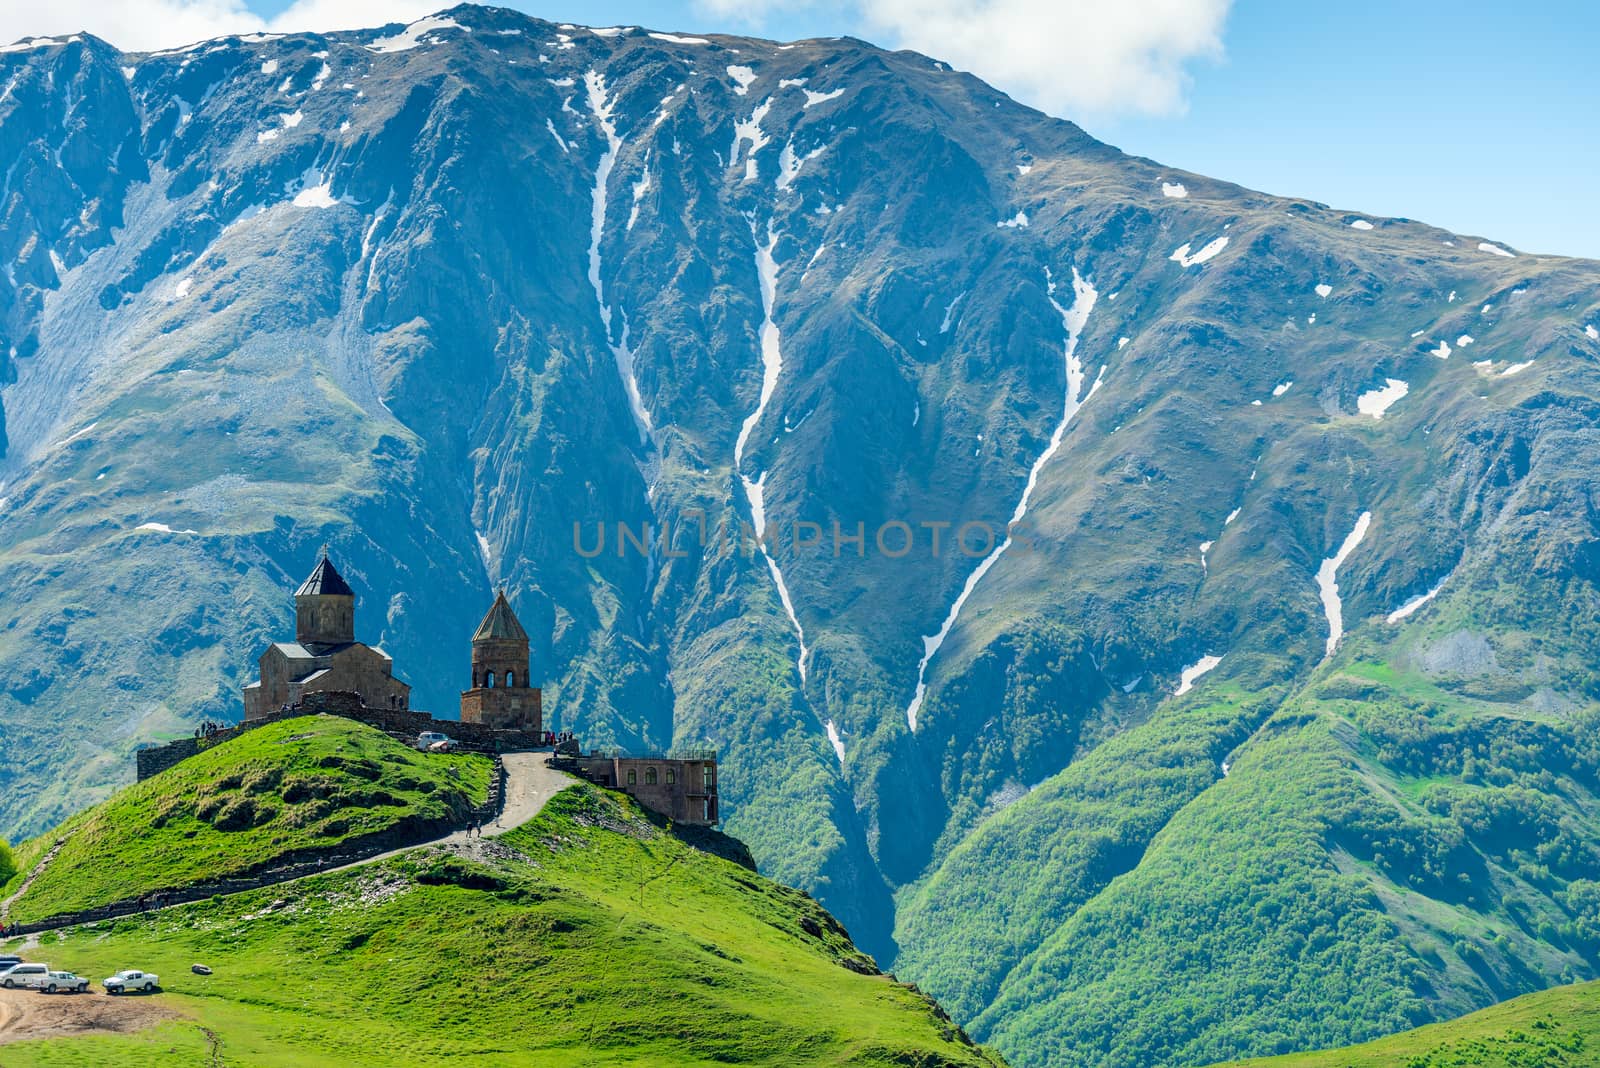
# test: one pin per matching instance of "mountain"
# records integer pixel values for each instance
(1550, 1029)
(1267, 727)
(587, 935)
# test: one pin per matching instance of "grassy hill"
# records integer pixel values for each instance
(592, 935)
(307, 784)
(1551, 1029)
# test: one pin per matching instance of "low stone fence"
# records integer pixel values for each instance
(404, 725)
(295, 865)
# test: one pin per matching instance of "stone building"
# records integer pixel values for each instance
(680, 786)
(324, 655)
(500, 695)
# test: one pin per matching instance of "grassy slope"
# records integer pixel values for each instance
(1551, 1029)
(309, 783)
(590, 936)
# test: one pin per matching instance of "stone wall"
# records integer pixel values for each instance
(399, 723)
(153, 760)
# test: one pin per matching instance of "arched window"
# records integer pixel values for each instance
(633, 777)
(672, 776)
(488, 679)
(649, 776)
(511, 680)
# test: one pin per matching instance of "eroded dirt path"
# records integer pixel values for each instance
(28, 1014)
(44, 862)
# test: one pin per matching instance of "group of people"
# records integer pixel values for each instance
(553, 738)
(11, 930)
(208, 729)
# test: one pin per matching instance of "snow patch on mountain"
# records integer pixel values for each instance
(1175, 190)
(1485, 246)
(814, 98)
(836, 741)
(1417, 602)
(1361, 224)
(1328, 582)
(640, 188)
(1282, 387)
(1016, 222)
(1074, 319)
(1592, 333)
(1516, 369)
(742, 77)
(750, 130)
(33, 43)
(949, 311)
(162, 528)
(672, 38)
(412, 35)
(1324, 290)
(551, 126)
(269, 67)
(1184, 258)
(1192, 673)
(755, 492)
(1443, 351)
(602, 107)
(789, 163)
(1377, 401)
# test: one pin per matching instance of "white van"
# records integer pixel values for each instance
(26, 976)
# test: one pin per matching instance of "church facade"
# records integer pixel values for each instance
(500, 696)
(324, 656)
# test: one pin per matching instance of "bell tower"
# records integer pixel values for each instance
(325, 608)
(500, 695)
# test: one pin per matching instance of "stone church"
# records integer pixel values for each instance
(326, 658)
(324, 655)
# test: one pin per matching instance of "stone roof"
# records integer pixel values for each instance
(501, 623)
(325, 581)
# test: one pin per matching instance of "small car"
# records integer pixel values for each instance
(8, 961)
(435, 742)
(129, 980)
(64, 982)
(28, 976)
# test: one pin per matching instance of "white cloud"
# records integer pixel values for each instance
(1082, 59)
(1074, 58)
(147, 25)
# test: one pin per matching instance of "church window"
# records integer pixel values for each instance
(633, 777)
(711, 778)
(672, 776)
(649, 776)
(488, 679)
(511, 680)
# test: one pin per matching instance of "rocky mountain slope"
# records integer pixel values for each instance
(1276, 694)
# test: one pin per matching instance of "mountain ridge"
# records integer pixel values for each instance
(424, 342)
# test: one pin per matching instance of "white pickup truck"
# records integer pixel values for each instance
(125, 982)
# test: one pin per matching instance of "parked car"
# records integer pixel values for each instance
(129, 980)
(8, 961)
(64, 982)
(27, 976)
(435, 742)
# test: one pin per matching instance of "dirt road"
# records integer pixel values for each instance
(28, 1014)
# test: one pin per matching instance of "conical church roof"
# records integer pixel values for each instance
(325, 581)
(501, 623)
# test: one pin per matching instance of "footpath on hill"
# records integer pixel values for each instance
(529, 784)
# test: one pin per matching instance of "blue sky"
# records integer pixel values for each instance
(1477, 117)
